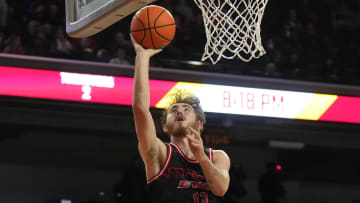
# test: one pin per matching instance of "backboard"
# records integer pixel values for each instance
(85, 18)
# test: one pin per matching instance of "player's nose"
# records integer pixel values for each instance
(181, 109)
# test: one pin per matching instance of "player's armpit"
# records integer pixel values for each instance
(154, 160)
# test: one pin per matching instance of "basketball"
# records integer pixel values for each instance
(153, 27)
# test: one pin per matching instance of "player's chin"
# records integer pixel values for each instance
(179, 131)
(179, 125)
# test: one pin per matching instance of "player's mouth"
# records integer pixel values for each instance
(179, 119)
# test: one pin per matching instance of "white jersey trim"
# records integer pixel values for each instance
(211, 155)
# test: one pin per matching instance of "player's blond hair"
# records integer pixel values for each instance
(183, 97)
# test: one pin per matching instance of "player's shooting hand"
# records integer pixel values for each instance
(143, 52)
(196, 142)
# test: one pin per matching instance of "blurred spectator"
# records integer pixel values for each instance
(331, 71)
(40, 43)
(102, 55)
(292, 19)
(271, 70)
(87, 49)
(32, 27)
(289, 32)
(37, 10)
(120, 57)
(63, 46)
(270, 185)
(273, 53)
(120, 42)
(15, 46)
(289, 38)
(3, 13)
(312, 44)
(53, 16)
(293, 67)
(315, 20)
(311, 35)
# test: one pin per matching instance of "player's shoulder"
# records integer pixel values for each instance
(220, 154)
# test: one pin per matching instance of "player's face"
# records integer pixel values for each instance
(179, 117)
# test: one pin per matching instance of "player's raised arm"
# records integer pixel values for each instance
(151, 148)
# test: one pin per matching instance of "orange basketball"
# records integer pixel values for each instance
(153, 27)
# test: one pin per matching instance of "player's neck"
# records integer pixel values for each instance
(183, 143)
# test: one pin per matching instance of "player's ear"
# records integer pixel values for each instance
(165, 128)
(199, 126)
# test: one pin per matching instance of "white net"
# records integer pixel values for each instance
(232, 28)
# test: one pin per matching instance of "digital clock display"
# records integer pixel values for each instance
(59, 85)
(253, 101)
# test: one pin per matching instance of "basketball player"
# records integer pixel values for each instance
(182, 170)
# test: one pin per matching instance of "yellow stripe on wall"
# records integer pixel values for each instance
(188, 87)
(317, 106)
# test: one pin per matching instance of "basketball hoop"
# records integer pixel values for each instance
(232, 28)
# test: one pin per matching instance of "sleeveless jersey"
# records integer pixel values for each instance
(181, 180)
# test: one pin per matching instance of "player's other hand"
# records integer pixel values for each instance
(143, 52)
(196, 143)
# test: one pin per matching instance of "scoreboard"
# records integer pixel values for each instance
(215, 98)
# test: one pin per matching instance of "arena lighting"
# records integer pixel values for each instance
(286, 144)
(48, 84)
(195, 63)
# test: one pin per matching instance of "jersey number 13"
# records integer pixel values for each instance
(200, 195)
